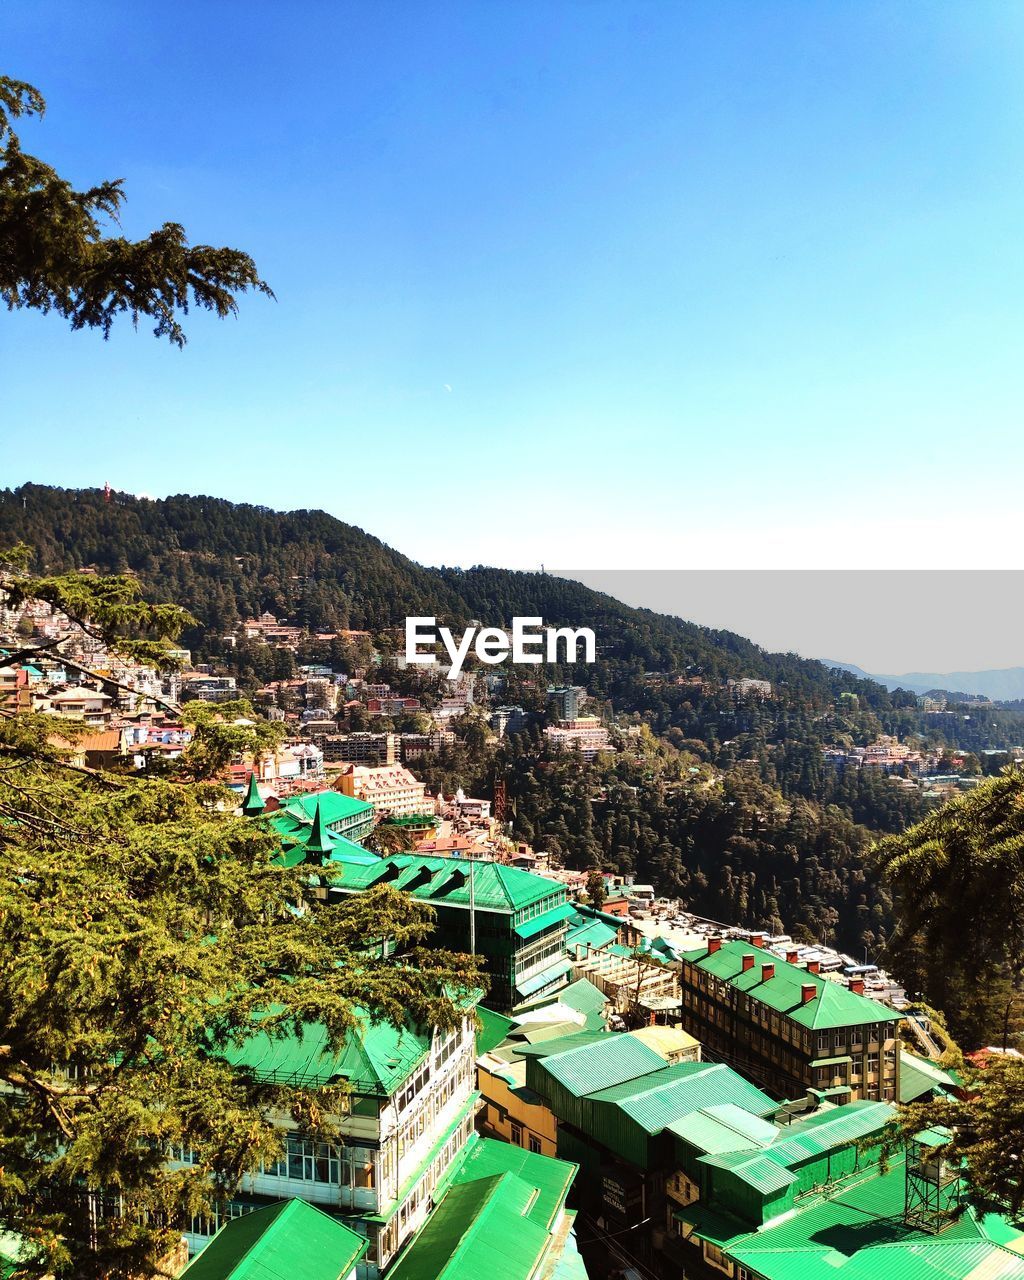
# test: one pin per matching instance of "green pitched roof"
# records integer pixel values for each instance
(334, 806)
(582, 997)
(550, 1178)
(253, 802)
(446, 881)
(320, 845)
(478, 1230)
(374, 1060)
(581, 1069)
(494, 1027)
(723, 1127)
(919, 1076)
(656, 1100)
(861, 1235)
(833, 1005)
(495, 1221)
(291, 1240)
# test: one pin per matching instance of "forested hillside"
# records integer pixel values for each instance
(747, 820)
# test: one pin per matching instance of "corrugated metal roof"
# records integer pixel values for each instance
(374, 1060)
(537, 981)
(292, 1238)
(833, 1004)
(446, 881)
(549, 1177)
(495, 1219)
(725, 1127)
(862, 1236)
(656, 1100)
(755, 1169)
(494, 1027)
(609, 1061)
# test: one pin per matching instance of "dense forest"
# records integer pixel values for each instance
(727, 801)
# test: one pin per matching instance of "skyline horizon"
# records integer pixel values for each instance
(819, 615)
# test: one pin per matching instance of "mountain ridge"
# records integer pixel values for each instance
(1001, 684)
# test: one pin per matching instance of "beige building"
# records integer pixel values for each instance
(392, 790)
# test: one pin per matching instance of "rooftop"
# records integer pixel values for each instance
(496, 1219)
(832, 1005)
(861, 1235)
(280, 1242)
(374, 1060)
(446, 881)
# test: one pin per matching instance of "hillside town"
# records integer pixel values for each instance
(640, 1092)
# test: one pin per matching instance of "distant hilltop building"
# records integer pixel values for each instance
(748, 688)
(566, 701)
(586, 734)
(391, 789)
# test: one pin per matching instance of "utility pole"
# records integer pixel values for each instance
(472, 909)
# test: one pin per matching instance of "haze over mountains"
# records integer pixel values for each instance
(1005, 684)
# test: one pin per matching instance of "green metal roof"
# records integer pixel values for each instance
(478, 1229)
(374, 1060)
(494, 1028)
(530, 928)
(861, 1235)
(833, 1005)
(919, 1076)
(656, 1100)
(334, 806)
(549, 1178)
(291, 1240)
(581, 996)
(586, 1068)
(723, 1127)
(446, 881)
(495, 1220)
(561, 1044)
(253, 802)
(594, 934)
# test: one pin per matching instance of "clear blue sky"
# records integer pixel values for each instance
(710, 283)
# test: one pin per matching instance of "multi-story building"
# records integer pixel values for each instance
(410, 1113)
(208, 688)
(791, 1028)
(746, 688)
(414, 746)
(566, 700)
(360, 748)
(505, 720)
(293, 821)
(513, 920)
(81, 703)
(585, 734)
(812, 1199)
(617, 1100)
(392, 790)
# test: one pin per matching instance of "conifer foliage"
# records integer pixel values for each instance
(143, 929)
(56, 256)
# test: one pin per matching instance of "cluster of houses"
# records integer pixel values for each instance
(634, 1095)
(628, 1098)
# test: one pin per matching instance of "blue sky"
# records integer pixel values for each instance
(663, 285)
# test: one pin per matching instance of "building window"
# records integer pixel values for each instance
(535, 1145)
(517, 1134)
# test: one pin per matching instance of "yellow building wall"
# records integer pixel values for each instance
(503, 1109)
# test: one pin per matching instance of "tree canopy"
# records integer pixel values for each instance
(957, 881)
(55, 254)
(144, 929)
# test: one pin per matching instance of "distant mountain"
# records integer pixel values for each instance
(1004, 684)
